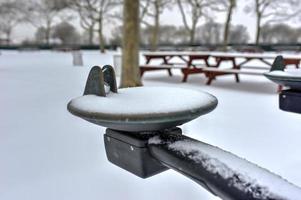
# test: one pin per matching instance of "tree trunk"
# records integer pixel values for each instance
(101, 38)
(227, 25)
(47, 32)
(154, 39)
(101, 41)
(192, 35)
(258, 21)
(8, 33)
(130, 76)
(91, 34)
(47, 35)
(258, 28)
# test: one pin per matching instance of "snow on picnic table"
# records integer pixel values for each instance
(46, 153)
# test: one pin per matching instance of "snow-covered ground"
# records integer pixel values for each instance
(47, 153)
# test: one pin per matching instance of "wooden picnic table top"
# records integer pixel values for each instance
(223, 54)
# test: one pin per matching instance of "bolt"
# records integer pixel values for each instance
(132, 148)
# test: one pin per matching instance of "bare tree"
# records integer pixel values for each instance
(238, 34)
(229, 6)
(181, 36)
(271, 11)
(89, 26)
(10, 16)
(66, 33)
(279, 33)
(43, 13)
(116, 36)
(130, 51)
(153, 9)
(210, 33)
(195, 9)
(94, 14)
(169, 35)
(87, 21)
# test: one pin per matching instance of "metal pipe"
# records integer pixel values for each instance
(209, 166)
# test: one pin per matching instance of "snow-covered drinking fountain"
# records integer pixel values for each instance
(289, 99)
(142, 137)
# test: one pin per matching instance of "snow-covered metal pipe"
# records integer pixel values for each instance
(222, 173)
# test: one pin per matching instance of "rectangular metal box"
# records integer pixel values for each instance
(290, 100)
(129, 151)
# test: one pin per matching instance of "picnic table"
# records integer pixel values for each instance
(239, 67)
(186, 65)
(238, 62)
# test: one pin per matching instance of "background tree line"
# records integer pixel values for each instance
(55, 21)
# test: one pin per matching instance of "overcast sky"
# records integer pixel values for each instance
(173, 17)
(239, 17)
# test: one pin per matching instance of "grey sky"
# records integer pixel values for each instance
(172, 17)
(239, 17)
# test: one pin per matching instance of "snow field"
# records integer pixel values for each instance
(46, 153)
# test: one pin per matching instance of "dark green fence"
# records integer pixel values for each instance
(164, 47)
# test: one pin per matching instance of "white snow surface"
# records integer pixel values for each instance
(287, 73)
(144, 100)
(228, 166)
(47, 153)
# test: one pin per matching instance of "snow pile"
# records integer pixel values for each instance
(242, 174)
(144, 100)
(286, 73)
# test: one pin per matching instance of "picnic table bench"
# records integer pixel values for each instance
(168, 67)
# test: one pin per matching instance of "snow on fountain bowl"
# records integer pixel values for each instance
(290, 78)
(143, 108)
